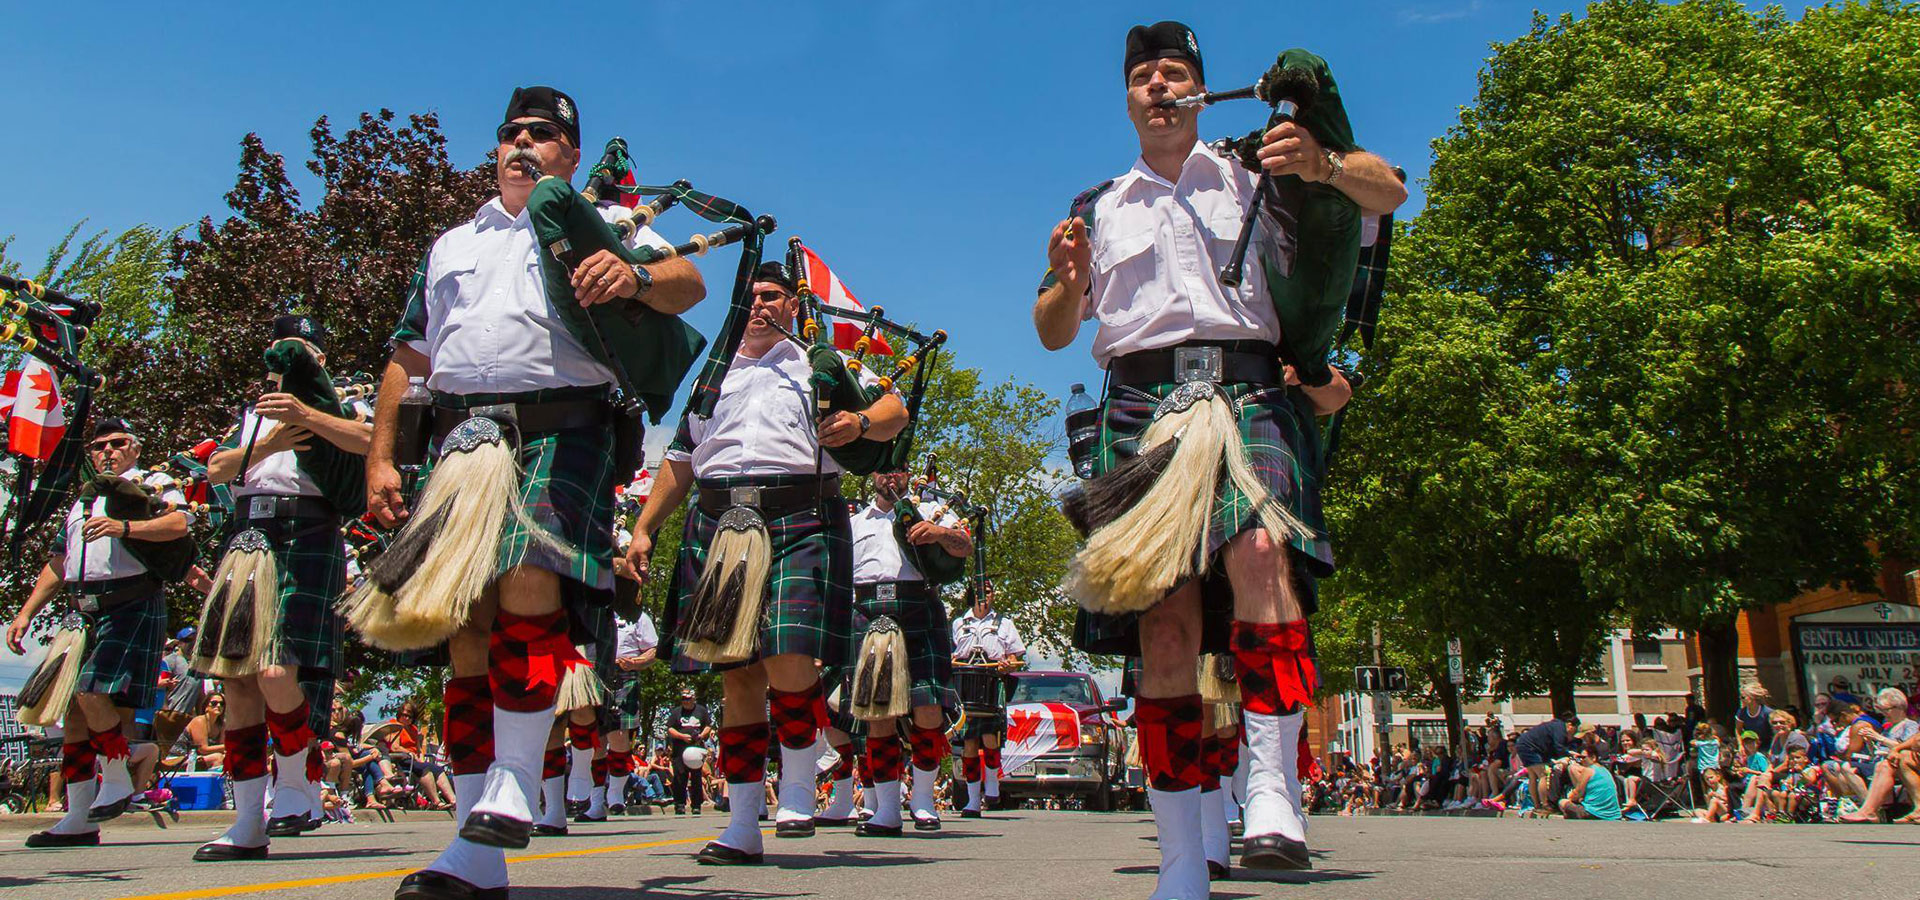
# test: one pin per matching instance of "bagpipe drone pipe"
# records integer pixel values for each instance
(936, 565)
(51, 328)
(836, 380)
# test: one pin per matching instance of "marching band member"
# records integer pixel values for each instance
(483, 328)
(888, 585)
(635, 648)
(983, 634)
(763, 582)
(1138, 256)
(119, 601)
(282, 513)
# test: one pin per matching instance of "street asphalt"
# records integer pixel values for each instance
(1023, 855)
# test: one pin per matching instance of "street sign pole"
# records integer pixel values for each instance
(1457, 675)
(1382, 707)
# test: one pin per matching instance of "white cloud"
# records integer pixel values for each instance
(1433, 13)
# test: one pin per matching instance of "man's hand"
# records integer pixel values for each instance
(17, 636)
(1290, 149)
(99, 527)
(602, 277)
(1070, 254)
(923, 533)
(383, 494)
(283, 437)
(640, 556)
(285, 408)
(839, 429)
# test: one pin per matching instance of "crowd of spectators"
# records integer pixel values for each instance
(1849, 759)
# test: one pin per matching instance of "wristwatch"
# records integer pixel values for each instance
(865, 423)
(1336, 167)
(643, 280)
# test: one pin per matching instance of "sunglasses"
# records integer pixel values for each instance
(110, 444)
(541, 132)
(771, 296)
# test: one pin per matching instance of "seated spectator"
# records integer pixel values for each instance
(1793, 790)
(1592, 792)
(1851, 765)
(1632, 764)
(1718, 808)
(1890, 749)
(401, 740)
(207, 731)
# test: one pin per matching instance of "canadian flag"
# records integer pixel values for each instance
(7, 390)
(642, 487)
(1037, 728)
(829, 288)
(35, 420)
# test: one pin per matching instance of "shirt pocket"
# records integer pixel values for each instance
(452, 277)
(1124, 269)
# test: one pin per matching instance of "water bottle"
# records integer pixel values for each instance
(1083, 430)
(416, 412)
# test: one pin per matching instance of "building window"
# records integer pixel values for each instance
(1647, 653)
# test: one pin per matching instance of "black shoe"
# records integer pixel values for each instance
(718, 854)
(799, 828)
(825, 822)
(314, 822)
(584, 818)
(228, 853)
(1236, 829)
(679, 810)
(616, 809)
(96, 814)
(48, 839)
(289, 826)
(866, 814)
(920, 824)
(1218, 872)
(969, 814)
(490, 830)
(542, 829)
(576, 807)
(868, 829)
(427, 884)
(1273, 852)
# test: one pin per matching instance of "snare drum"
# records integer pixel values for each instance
(982, 690)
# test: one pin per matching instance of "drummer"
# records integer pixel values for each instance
(982, 636)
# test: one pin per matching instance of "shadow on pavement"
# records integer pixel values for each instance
(1222, 888)
(74, 877)
(370, 852)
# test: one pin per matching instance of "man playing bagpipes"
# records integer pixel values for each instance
(115, 549)
(903, 549)
(1201, 524)
(984, 637)
(635, 648)
(513, 530)
(763, 584)
(268, 630)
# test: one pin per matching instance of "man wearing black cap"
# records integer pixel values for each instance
(480, 328)
(283, 702)
(120, 607)
(1138, 255)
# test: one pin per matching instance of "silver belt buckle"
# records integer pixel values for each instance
(86, 603)
(885, 591)
(744, 496)
(261, 506)
(1191, 364)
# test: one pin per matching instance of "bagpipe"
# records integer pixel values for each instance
(836, 380)
(239, 618)
(936, 565)
(1147, 519)
(51, 328)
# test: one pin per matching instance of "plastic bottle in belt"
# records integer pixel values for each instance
(1083, 430)
(416, 407)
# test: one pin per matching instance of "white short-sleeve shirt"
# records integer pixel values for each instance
(635, 637)
(762, 423)
(278, 473)
(992, 634)
(489, 327)
(1158, 247)
(107, 558)
(877, 554)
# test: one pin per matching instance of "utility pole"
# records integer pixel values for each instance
(1382, 707)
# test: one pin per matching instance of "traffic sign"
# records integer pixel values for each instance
(1393, 679)
(1456, 670)
(1453, 647)
(1366, 678)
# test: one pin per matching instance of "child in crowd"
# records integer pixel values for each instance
(1718, 809)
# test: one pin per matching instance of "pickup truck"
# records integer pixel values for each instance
(1088, 759)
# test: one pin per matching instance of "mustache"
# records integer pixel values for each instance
(522, 155)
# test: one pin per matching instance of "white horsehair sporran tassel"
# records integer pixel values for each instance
(47, 692)
(882, 684)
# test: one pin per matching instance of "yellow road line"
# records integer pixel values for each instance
(389, 873)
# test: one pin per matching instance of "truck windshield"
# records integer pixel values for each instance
(1051, 688)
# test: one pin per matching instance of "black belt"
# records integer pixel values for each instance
(96, 596)
(773, 501)
(529, 418)
(262, 507)
(871, 590)
(1222, 362)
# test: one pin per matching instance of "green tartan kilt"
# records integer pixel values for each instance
(809, 596)
(313, 575)
(317, 688)
(622, 711)
(125, 646)
(566, 485)
(1283, 444)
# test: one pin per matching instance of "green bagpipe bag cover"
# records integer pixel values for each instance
(131, 501)
(651, 349)
(840, 390)
(1311, 297)
(341, 475)
(936, 565)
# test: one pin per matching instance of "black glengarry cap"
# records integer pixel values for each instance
(1162, 40)
(547, 103)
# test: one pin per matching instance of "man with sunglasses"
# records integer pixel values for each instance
(285, 706)
(762, 449)
(124, 611)
(480, 329)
